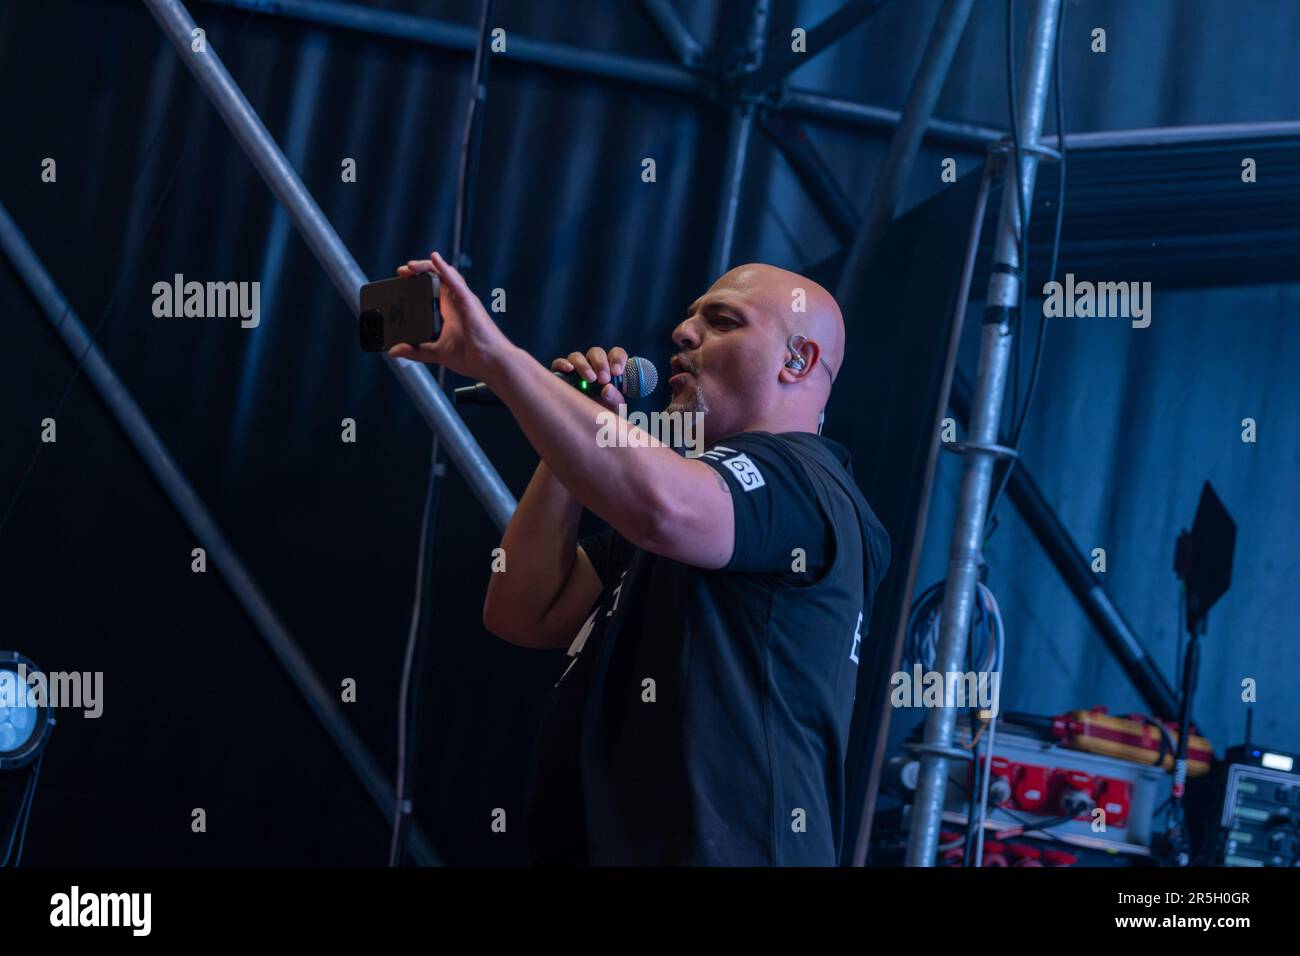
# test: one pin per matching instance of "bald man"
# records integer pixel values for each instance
(702, 716)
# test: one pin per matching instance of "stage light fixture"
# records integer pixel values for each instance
(25, 722)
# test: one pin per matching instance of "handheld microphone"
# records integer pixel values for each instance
(638, 380)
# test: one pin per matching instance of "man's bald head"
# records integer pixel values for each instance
(804, 306)
(733, 350)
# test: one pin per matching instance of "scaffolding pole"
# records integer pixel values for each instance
(817, 105)
(1174, 135)
(817, 40)
(195, 514)
(454, 36)
(686, 48)
(814, 174)
(616, 66)
(887, 192)
(325, 244)
(668, 76)
(981, 447)
(1068, 559)
(738, 137)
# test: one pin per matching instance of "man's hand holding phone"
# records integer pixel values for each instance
(470, 343)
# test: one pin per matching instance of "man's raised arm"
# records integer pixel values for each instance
(548, 583)
(658, 500)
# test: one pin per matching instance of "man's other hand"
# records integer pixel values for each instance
(597, 366)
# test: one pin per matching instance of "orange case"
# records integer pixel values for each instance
(1098, 732)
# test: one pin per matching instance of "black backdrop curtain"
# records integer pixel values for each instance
(96, 564)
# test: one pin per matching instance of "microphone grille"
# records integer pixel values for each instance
(640, 378)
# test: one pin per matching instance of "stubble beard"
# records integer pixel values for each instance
(698, 402)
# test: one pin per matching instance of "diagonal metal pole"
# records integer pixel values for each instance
(981, 447)
(738, 136)
(1043, 522)
(873, 752)
(410, 28)
(887, 193)
(820, 38)
(810, 103)
(329, 250)
(742, 124)
(813, 173)
(1075, 570)
(159, 460)
(688, 50)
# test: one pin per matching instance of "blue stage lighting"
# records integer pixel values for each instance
(24, 722)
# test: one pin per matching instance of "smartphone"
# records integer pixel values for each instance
(399, 310)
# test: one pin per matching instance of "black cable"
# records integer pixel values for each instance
(1022, 235)
(471, 142)
(1178, 637)
(1029, 826)
(1011, 396)
(401, 812)
(27, 818)
(972, 798)
(416, 659)
(1027, 829)
(18, 819)
(1031, 721)
(1167, 744)
(1056, 234)
(1019, 418)
(24, 815)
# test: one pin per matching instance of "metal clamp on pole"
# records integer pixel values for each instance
(984, 448)
(1006, 148)
(965, 553)
(948, 753)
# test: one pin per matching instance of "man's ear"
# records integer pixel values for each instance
(804, 348)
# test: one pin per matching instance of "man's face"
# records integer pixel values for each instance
(729, 350)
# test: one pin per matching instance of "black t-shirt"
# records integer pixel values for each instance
(703, 716)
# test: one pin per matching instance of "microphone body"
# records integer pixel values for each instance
(638, 380)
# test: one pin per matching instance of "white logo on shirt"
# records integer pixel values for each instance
(719, 452)
(745, 472)
(580, 641)
(576, 647)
